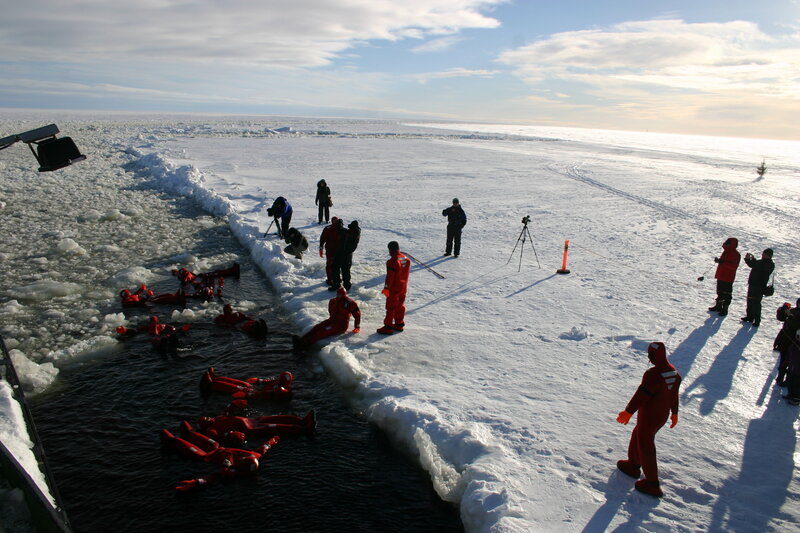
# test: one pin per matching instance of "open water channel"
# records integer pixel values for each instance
(100, 419)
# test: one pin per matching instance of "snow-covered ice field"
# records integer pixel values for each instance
(508, 378)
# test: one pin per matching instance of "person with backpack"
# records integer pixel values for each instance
(727, 265)
(760, 272)
(323, 201)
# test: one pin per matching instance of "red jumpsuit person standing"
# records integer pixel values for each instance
(655, 398)
(397, 269)
(329, 241)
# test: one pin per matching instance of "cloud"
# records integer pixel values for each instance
(301, 33)
(455, 73)
(672, 54)
(437, 45)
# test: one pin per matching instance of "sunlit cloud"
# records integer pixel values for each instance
(456, 73)
(437, 45)
(302, 33)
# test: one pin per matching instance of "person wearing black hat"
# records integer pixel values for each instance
(456, 220)
(343, 260)
(395, 287)
(760, 272)
(323, 201)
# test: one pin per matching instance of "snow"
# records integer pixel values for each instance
(508, 378)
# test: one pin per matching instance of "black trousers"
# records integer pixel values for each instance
(754, 297)
(283, 224)
(453, 240)
(341, 270)
(324, 210)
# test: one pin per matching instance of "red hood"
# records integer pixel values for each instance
(657, 353)
(731, 244)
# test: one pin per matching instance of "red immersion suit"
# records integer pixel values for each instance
(339, 311)
(398, 268)
(655, 398)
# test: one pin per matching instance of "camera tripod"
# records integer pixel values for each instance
(523, 236)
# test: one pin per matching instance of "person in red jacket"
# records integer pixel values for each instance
(727, 264)
(655, 399)
(339, 310)
(397, 269)
(329, 240)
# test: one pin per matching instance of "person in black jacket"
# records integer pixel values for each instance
(281, 211)
(790, 316)
(298, 244)
(456, 220)
(343, 260)
(323, 201)
(760, 271)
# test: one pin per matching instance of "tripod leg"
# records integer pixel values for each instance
(515, 246)
(534, 248)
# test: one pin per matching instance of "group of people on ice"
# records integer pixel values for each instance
(220, 440)
(337, 244)
(656, 398)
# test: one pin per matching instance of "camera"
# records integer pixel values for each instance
(270, 212)
(526, 219)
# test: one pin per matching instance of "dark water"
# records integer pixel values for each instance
(100, 428)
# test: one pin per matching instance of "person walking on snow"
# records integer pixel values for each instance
(727, 264)
(655, 398)
(760, 271)
(323, 201)
(397, 269)
(329, 241)
(456, 220)
(340, 309)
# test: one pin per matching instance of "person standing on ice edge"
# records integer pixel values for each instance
(456, 220)
(323, 201)
(760, 271)
(727, 264)
(397, 269)
(329, 242)
(343, 259)
(655, 398)
(281, 209)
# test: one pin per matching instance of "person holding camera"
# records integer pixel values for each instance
(281, 209)
(456, 220)
(760, 271)
(727, 264)
(323, 201)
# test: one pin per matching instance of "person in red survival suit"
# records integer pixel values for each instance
(397, 269)
(233, 463)
(251, 388)
(256, 327)
(169, 298)
(339, 310)
(329, 240)
(261, 426)
(727, 264)
(137, 298)
(655, 398)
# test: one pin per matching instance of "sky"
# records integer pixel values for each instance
(716, 67)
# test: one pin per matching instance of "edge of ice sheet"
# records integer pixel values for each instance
(451, 455)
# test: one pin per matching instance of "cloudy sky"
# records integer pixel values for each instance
(719, 67)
